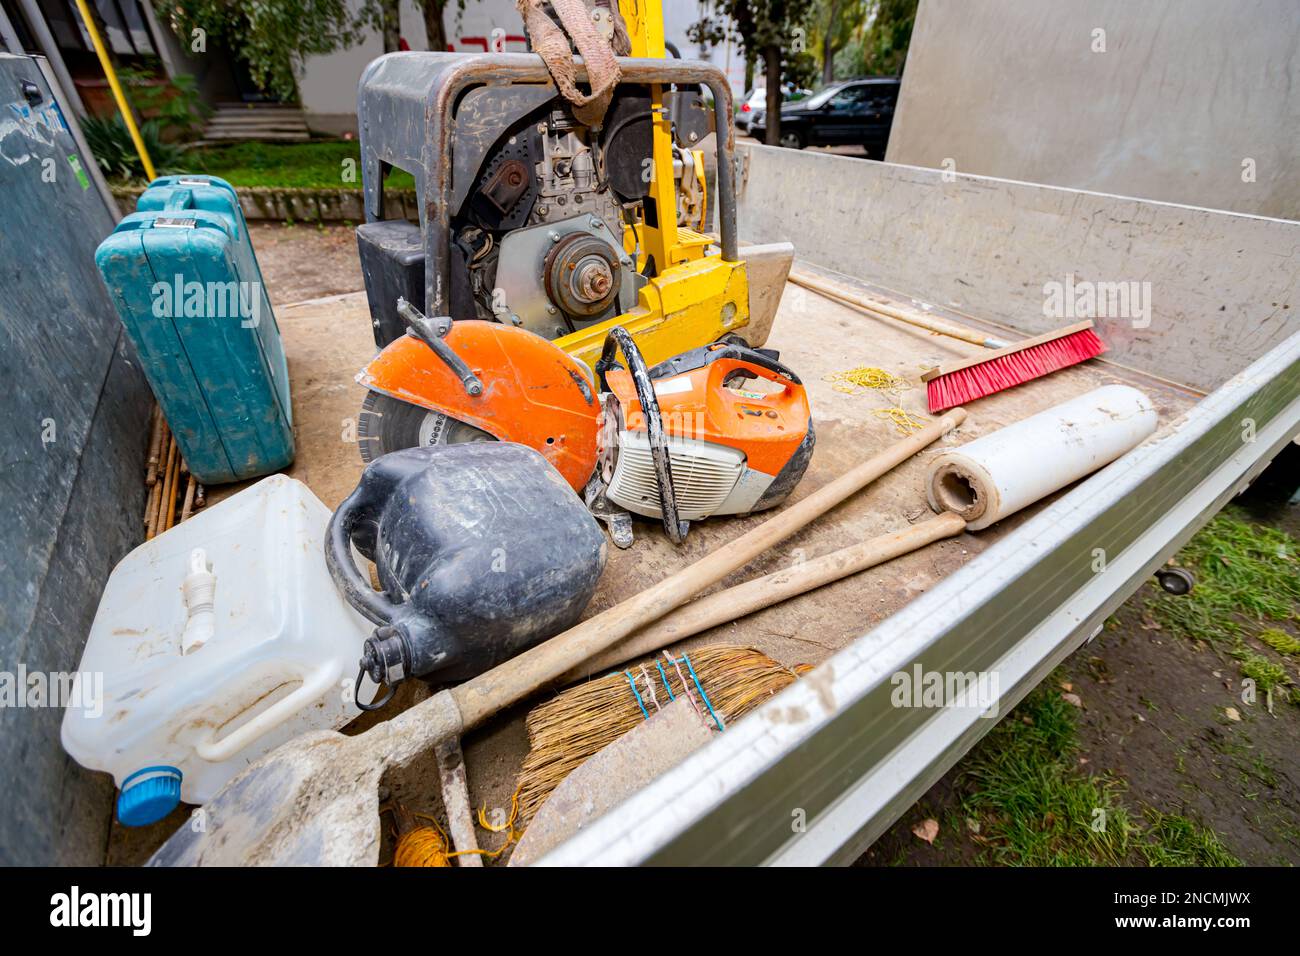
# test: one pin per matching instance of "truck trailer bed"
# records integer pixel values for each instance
(328, 341)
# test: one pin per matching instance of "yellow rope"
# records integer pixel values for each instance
(423, 846)
(904, 421)
(429, 846)
(854, 380)
(509, 825)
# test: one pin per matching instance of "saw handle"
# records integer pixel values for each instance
(764, 359)
(723, 374)
(708, 354)
(430, 332)
(620, 338)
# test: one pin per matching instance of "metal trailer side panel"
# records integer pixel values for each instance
(1220, 290)
(832, 750)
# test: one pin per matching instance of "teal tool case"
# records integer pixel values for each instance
(185, 280)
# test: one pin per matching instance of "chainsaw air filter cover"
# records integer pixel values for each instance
(482, 550)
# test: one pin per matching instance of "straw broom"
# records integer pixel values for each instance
(565, 731)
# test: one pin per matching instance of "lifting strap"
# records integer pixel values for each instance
(552, 44)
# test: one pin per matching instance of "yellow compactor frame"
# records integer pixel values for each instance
(694, 298)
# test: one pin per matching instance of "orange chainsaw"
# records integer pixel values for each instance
(723, 429)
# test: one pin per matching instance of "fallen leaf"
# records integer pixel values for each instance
(1066, 685)
(927, 829)
(1231, 713)
(972, 825)
(1074, 699)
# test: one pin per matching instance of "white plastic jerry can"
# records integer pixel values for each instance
(214, 643)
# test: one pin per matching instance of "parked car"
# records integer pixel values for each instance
(752, 101)
(852, 112)
(755, 101)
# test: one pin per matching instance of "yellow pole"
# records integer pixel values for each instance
(116, 87)
(645, 27)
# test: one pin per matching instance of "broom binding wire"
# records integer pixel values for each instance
(573, 726)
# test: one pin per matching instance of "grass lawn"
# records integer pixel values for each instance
(1029, 803)
(1248, 583)
(1169, 741)
(1025, 792)
(320, 165)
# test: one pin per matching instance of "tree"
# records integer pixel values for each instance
(774, 31)
(884, 45)
(835, 22)
(435, 30)
(390, 24)
(878, 46)
(272, 37)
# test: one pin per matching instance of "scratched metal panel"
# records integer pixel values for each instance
(72, 428)
(1218, 289)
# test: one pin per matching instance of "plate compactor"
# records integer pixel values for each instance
(553, 230)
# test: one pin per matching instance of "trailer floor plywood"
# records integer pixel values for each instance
(329, 340)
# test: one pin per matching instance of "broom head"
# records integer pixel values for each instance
(956, 384)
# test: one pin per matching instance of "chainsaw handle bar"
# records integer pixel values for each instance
(759, 358)
(619, 338)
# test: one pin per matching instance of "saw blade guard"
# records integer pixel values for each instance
(533, 393)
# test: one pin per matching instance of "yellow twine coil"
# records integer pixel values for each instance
(852, 381)
(903, 420)
(423, 846)
(429, 846)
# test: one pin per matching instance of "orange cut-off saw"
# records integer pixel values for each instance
(723, 429)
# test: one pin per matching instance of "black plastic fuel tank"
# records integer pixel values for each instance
(482, 550)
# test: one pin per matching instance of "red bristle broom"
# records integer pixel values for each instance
(958, 383)
(1002, 367)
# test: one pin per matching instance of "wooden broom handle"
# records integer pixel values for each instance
(734, 603)
(510, 682)
(881, 309)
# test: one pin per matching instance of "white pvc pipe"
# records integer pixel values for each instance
(995, 476)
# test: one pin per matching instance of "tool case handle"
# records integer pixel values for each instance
(179, 201)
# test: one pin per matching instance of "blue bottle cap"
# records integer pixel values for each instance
(148, 795)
